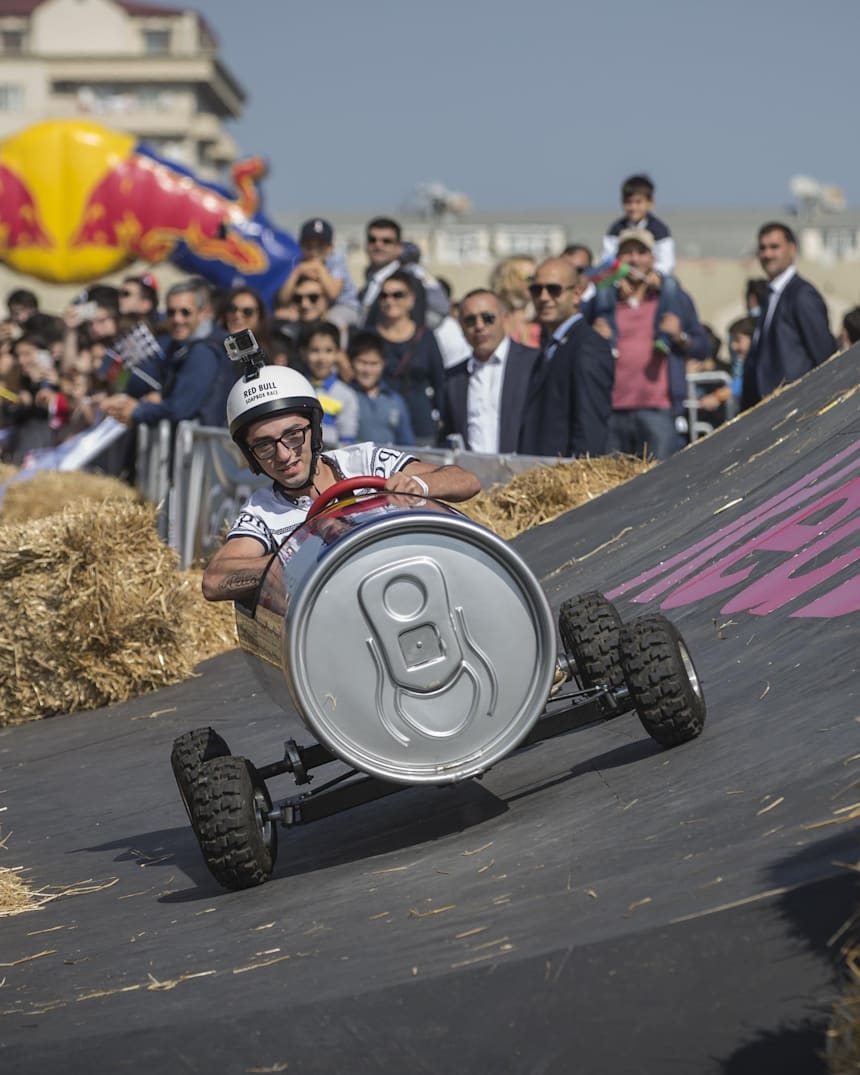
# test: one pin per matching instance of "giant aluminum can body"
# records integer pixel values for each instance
(414, 643)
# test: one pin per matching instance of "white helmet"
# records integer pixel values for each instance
(268, 391)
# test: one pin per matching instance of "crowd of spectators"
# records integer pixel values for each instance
(560, 358)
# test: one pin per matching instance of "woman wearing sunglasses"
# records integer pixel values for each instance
(242, 308)
(413, 363)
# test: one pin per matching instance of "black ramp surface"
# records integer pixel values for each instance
(593, 904)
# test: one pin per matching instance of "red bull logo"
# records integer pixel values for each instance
(145, 207)
(20, 225)
(79, 201)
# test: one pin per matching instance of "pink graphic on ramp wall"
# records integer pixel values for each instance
(775, 554)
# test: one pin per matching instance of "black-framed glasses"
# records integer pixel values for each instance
(308, 296)
(292, 439)
(553, 290)
(247, 311)
(179, 311)
(488, 318)
(393, 294)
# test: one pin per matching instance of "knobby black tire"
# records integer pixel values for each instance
(661, 677)
(589, 625)
(189, 753)
(239, 845)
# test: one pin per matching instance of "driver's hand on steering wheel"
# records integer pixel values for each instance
(401, 482)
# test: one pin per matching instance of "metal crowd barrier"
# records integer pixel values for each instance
(199, 479)
(152, 468)
(697, 426)
(200, 493)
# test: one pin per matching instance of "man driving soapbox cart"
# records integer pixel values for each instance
(417, 648)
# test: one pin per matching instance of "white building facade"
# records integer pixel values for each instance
(147, 69)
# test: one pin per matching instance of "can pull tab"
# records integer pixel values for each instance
(430, 671)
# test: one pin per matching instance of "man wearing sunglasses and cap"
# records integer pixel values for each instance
(484, 395)
(569, 398)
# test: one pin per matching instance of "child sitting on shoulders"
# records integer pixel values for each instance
(637, 199)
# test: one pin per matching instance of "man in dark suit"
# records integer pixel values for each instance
(792, 335)
(484, 395)
(570, 394)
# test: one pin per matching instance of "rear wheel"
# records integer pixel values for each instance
(662, 679)
(231, 806)
(589, 625)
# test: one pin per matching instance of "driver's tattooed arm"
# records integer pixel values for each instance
(235, 570)
(240, 582)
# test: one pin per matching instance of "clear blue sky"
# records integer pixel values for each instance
(544, 103)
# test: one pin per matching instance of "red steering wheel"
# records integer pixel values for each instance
(339, 489)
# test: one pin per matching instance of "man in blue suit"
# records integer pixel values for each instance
(792, 335)
(570, 394)
(484, 394)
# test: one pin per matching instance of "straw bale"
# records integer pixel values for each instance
(49, 491)
(96, 612)
(210, 626)
(548, 490)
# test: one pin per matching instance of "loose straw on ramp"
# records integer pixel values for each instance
(16, 896)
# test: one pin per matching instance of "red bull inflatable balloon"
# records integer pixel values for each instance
(79, 201)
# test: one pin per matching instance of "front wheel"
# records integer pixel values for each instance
(663, 682)
(589, 626)
(189, 753)
(238, 839)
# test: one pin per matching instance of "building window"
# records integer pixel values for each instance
(154, 98)
(12, 42)
(11, 97)
(156, 42)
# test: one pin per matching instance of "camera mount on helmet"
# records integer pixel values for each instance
(242, 347)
